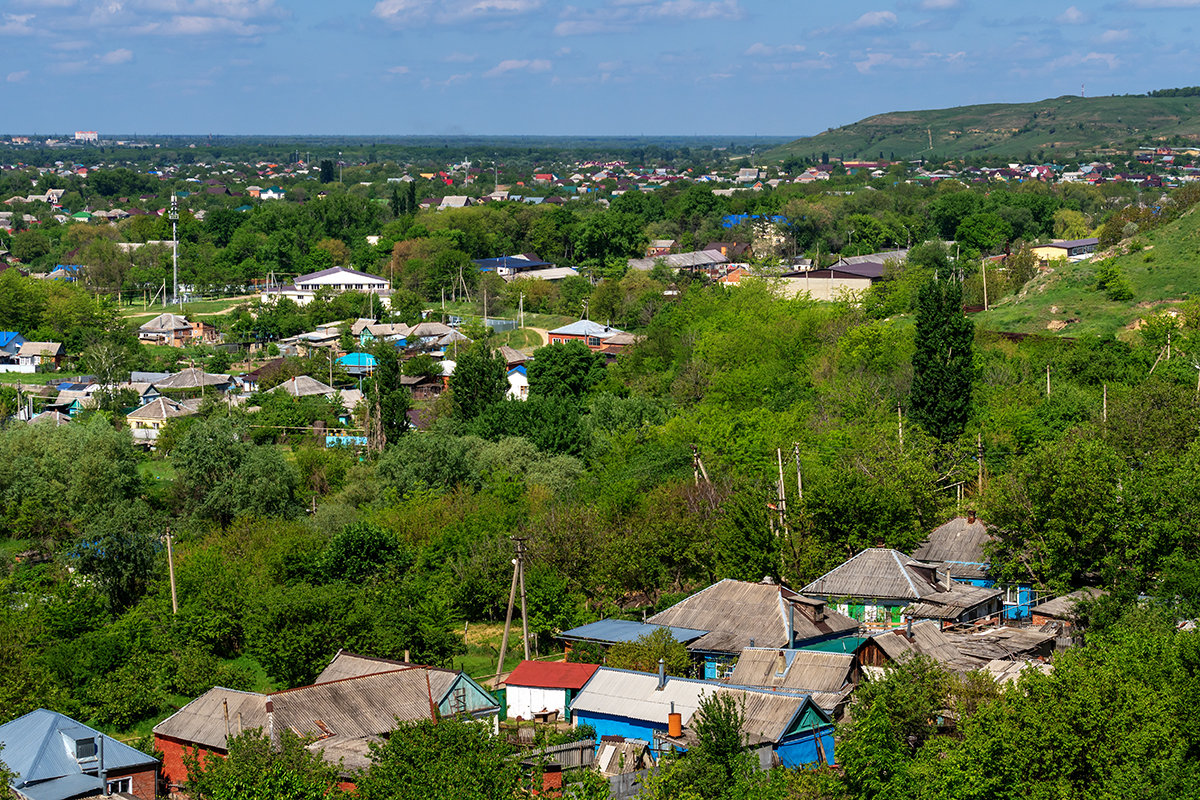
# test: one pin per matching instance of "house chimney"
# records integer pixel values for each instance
(970, 516)
(103, 772)
(662, 674)
(947, 579)
(791, 625)
(270, 720)
(908, 629)
(752, 643)
(406, 655)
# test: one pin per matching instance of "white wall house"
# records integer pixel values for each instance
(337, 279)
(540, 687)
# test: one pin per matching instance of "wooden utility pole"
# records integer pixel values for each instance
(799, 478)
(1047, 380)
(782, 491)
(171, 574)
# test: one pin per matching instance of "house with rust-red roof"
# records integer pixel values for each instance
(541, 687)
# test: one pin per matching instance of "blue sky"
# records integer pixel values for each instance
(600, 67)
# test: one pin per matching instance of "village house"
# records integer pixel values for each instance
(176, 331)
(880, 586)
(827, 677)
(53, 757)
(783, 728)
(40, 354)
(355, 701)
(593, 334)
(957, 548)
(739, 614)
(147, 422)
(335, 280)
(1070, 249)
(544, 690)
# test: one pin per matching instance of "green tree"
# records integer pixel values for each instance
(568, 371)
(942, 364)
(479, 381)
(442, 758)
(644, 653)
(258, 769)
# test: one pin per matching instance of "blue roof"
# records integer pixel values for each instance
(519, 368)
(357, 360)
(730, 220)
(6, 337)
(611, 631)
(515, 262)
(39, 748)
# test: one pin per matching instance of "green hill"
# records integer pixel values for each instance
(1065, 126)
(1162, 267)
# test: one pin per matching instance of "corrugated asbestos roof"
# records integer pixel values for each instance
(951, 605)
(801, 670)
(304, 386)
(697, 258)
(364, 706)
(876, 572)
(737, 612)
(958, 546)
(1064, 607)
(192, 378)
(1009, 671)
(165, 323)
(202, 721)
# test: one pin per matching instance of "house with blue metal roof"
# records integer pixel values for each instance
(508, 266)
(10, 342)
(56, 758)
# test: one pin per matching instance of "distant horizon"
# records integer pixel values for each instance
(592, 68)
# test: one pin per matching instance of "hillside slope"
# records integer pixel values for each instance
(1066, 125)
(1065, 301)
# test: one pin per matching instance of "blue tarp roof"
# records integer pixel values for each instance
(625, 630)
(357, 360)
(513, 262)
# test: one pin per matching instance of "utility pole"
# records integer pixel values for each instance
(524, 614)
(1047, 380)
(521, 310)
(171, 574)
(983, 269)
(1104, 411)
(173, 215)
(979, 458)
(512, 596)
(900, 426)
(799, 479)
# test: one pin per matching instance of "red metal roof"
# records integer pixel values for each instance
(551, 674)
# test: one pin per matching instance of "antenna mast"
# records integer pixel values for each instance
(174, 217)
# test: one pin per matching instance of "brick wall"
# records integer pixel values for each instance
(144, 784)
(174, 770)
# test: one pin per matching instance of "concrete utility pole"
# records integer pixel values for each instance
(512, 596)
(171, 574)
(173, 215)
(524, 614)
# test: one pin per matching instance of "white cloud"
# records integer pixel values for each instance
(920, 60)
(939, 5)
(119, 56)
(461, 58)
(620, 16)
(403, 13)
(874, 19)
(760, 49)
(1072, 16)
(518, 65)
(398, 70)
(1116, 36)
(17, 77)
(16, 25)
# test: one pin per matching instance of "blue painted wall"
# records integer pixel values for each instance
(607, 725)
(1025, 597)
(801, 751)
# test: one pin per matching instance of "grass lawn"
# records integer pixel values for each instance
(483, 646)
(520, 339)
(31, 378)
(199, 308)
(157, 469)
(1162, 267)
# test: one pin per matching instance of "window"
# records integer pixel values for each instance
(120, 785)
(84, 749)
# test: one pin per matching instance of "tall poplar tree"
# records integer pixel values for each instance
(942, 362)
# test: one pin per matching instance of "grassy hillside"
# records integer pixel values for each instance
(1063, 126)
(1162, 266)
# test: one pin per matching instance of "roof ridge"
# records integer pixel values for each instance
(904, 572)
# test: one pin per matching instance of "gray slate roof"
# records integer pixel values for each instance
(807, 671)
(40, 748)
(166, 323)
(304, 386)
(951, 605)
(192, 378)
(738, 612)
(876, 573)
(1064, 607)
(958, 546)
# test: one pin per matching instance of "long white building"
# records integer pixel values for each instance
(336, 279)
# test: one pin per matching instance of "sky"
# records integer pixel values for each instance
(563, 67)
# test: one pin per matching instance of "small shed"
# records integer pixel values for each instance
(541, 688)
